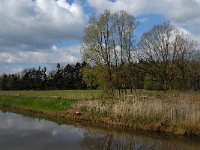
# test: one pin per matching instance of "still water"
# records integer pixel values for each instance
(18, 132)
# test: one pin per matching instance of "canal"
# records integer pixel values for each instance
(19, 132)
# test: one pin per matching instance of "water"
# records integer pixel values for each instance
(18, 132)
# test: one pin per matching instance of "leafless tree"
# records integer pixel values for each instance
(162, 50)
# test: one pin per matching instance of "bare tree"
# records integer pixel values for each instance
(162, 49)
(125, 25)
(185, 49)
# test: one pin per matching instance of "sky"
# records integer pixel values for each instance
(42, 33)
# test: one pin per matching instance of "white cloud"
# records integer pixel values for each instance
(184, 13)
(28, 25)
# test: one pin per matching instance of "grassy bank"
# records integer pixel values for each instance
(169, 112)
(39, 104)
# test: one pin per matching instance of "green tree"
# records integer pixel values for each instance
(108, 45)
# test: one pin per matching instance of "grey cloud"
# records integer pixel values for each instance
(62, 55)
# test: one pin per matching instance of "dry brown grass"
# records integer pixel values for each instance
(175, 111)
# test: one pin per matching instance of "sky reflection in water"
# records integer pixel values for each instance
(19, 132)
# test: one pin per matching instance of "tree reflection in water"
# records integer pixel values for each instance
(95, 139)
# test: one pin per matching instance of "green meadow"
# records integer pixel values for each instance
(41, 104)
(62, 94)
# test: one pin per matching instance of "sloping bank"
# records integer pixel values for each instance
(137, 115)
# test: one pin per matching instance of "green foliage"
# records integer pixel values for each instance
(90, 77)
(150, 83)
(68, 77)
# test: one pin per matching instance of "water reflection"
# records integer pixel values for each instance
(119, 141)
(18, 132)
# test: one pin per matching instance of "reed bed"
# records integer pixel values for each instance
(177, 112)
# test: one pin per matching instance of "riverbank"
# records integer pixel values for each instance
(177, 116)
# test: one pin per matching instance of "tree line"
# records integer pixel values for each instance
(164, 58)
(68, 77)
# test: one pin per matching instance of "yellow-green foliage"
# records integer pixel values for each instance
(150, 83)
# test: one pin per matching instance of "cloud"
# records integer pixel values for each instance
(184, 13)
(35, 25)
(13, 62)
(55, 55)
(32, 32)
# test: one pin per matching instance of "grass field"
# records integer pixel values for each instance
(43, 104)
(63, 94)
(94, 94)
